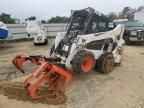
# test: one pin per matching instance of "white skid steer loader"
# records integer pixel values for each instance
(36, 30)
(89, 41)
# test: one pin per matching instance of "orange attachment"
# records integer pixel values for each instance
(55, 77)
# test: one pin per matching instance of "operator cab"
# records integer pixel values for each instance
(87, 21)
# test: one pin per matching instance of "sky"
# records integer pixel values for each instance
(45, 9)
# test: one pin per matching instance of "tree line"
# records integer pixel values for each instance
(6, 18)
(127, 12)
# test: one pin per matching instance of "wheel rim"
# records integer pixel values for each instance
(109, 65)
(87, 64)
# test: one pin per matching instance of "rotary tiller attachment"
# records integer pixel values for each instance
(54, 76)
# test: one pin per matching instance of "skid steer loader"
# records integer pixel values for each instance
(88, 42)
(36, 30)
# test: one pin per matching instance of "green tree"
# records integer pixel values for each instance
(140, 8)
(128, 13)
(43, 21)
(6, 18)
(112, 16)
(59, 19)
(31, 18)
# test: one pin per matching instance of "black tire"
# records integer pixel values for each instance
(35, 44)
(83, 62)
(127, 41)
(52, 49)
(105, 63)
(46, 42)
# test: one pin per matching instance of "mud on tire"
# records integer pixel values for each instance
(105, 63)
(83, 62)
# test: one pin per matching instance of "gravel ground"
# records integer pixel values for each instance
(122, 88)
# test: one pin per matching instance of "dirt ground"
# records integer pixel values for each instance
(122, 88)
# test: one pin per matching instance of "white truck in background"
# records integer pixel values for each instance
(119, 20)
(35, 29)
